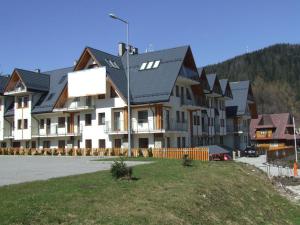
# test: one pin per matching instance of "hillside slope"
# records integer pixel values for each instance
(275, 73)
(164, 192)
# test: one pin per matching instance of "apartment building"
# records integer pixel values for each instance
(239, 111)
(174, 104)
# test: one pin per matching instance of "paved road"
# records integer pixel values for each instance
(19, 169)
(271, 170)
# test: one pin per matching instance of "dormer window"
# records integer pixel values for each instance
(62, 79)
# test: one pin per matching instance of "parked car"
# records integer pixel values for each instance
(250, 151)
(220, 157)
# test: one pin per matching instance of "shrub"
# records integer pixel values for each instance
(119, 169)
(150, 153)
(186, 161)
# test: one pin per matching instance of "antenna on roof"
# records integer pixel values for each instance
(150, 48)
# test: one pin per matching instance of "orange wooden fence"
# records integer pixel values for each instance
(178, 153)
(171, 153)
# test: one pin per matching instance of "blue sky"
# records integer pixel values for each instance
(52, 34)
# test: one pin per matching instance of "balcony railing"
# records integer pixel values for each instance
(55, 130)
(144, 126)
(78, 105)
(8, 133)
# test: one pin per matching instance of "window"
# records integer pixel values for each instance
(88, 143)
(61, 122)
(195, 120)
(88, 119)
(19, 124)
(25, 124)
(143, 66)
(25, 100)
(102, 143)
(143, 116)
(183, 142)
(33, 144)
(78, 143)
(62, 79)
(177, 91)
(50, 97)
(19, 102)
(149, 66)
(88, 100)
(188, 95)
(178, 142)
(46, 144)
(27, 144)
(76, 99)
(42, 124)
(168, 142)
(182, 117)
(61, 144)
(113, 93)
(177, 116)
(101, 118)
(101, 96)
(117, 143)
(156, 64)
(0, 103)
(143, 142)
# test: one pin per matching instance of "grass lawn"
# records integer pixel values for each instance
(166, 193)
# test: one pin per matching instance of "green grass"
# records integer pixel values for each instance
(165, 193)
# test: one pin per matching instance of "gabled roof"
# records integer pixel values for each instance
(57, 83)
(117, 76)
(203, 79)
(3, 82)
(214, 84)
(240, 92)
(149, 85)
(226, 90)
(34, 81)
(155, 85)
(279, 122)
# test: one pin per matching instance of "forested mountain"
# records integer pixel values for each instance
(275, 75)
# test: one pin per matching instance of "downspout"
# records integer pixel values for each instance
(38, 124)
(11, 129)
(153, 121)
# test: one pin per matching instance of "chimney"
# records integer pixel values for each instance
(122, 48)
(37, 70)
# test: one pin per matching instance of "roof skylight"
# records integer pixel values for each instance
(143, 66)
(156, 64)
(150, 65)
(112, 64)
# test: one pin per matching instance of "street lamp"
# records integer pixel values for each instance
(113, 16)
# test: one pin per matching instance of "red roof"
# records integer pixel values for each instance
(279, 122)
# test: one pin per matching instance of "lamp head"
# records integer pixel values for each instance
(112, 15)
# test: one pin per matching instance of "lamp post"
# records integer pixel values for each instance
(113, 16)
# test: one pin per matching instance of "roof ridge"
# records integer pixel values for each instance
(48, 71)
